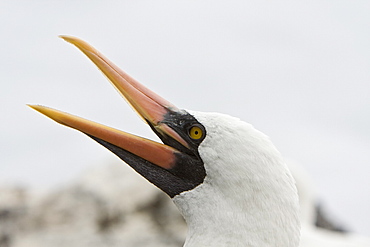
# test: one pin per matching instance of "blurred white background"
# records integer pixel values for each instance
(298, 71)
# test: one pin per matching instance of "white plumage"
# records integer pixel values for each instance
(248, 197)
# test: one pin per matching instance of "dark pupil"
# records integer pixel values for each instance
(196, 132)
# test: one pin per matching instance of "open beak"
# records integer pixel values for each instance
(137, 151)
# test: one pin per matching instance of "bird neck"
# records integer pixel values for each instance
(248, 197)
(238, 219)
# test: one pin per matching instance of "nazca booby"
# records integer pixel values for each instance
(227, 179)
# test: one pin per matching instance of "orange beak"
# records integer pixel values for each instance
(174, 166)
(150, 106)
(156, 153)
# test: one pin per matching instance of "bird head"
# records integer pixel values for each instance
(218, 170)
(174, 166)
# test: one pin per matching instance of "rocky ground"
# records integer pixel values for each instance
(109, 205)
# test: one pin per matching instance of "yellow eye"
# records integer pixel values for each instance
(195, 133)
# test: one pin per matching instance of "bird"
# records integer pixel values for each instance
(227, 179)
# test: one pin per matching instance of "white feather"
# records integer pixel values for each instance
(248, 197)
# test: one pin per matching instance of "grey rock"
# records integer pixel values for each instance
(108, 205)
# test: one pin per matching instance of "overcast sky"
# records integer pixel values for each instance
(298, 71)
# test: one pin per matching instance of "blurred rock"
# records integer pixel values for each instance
(109, 205)
(13, 208)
